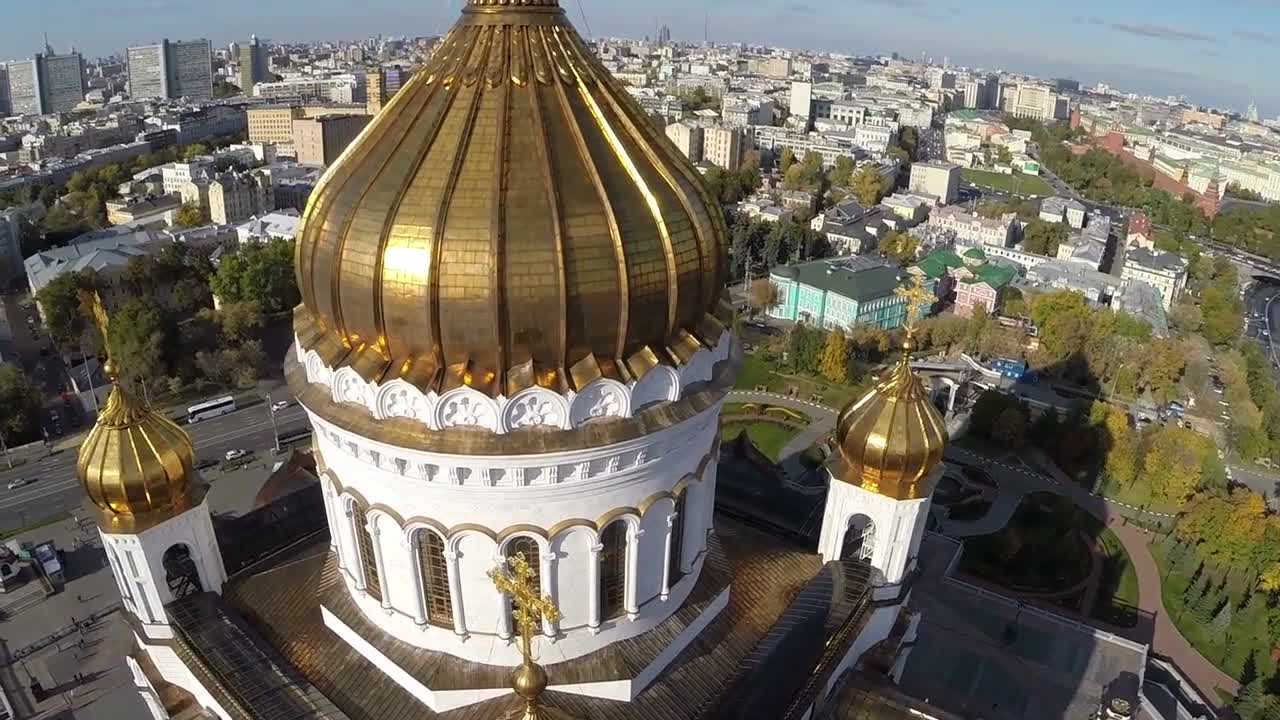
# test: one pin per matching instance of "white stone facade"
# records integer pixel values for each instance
(534, 406)
(891, 529)
(477, 507)
(138, 564)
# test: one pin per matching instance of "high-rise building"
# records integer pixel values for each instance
(1251, 114)
(273, 123)
(941, 180)
(5, 107)
(63, 82)
(688, 138)
(253, 65)
(148, 71)
(46, 83)
(664, 36)
(722, 146)
(191, 69)
(377, 96)
(320, 140)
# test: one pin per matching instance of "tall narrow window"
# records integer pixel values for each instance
(368, 560)
(529, 547)
(859, 539)
(435, 579)
(674, 560)
(613, 570)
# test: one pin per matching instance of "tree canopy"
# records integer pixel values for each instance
(261, 273)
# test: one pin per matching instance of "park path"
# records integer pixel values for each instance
(822, 418)
(1164, 637)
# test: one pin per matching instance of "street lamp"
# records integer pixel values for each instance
(271, 413)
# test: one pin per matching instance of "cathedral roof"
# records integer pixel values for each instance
(136, 465)
(511, 218)
(892, 437)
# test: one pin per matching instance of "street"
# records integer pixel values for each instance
(53, 486)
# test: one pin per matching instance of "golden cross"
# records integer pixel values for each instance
(917, 300)
(530, 609)
(93, 302)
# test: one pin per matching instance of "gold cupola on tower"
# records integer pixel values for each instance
(511, 218)
(892, 438)
(136, 466)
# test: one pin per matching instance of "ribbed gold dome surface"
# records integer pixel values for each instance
(892, 437)
(511, 218)
(136, 465)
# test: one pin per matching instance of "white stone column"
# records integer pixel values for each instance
(951, 400)
(379, 563)
(666, 555)
(593, 577)
(548, 563)
(415, 571)
(633, 570)
(455, 594)
(341, 529)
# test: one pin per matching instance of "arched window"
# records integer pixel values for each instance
(674, 560)
(364, 543)
(126, 591)
(528, 546)
(613, 570)
(435, 579)
(180, 571)
(859, 539)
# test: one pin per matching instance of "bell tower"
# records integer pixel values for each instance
(137, 470)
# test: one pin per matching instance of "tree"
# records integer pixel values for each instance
(261, 273)
(900, 246)
(787, 159)
(239, 320)
(138, 340)
(60, 303)
(19, 406)
(908, 141)
(869, 186)
(1161, 365)
(1043, 237)
(764, 296)
(1269, 578)
(191, 215)
(1003, 156)
(1172, 463)
(842, 174)
(835, 358)
(1010, 429)
(1186, 317)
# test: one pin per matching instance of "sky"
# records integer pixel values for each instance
(1216, 52)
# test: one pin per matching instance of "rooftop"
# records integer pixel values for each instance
(856, 277)
(1160, 260)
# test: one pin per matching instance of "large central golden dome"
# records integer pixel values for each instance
(511, 218)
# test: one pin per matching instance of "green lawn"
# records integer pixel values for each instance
(759, 370)
(1138, 495)
(1019, 183)
(769, 437)
(1247, 632)
(1038, 551)
(1118, 593)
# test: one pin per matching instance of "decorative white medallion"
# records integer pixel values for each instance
(400, 399)
(603, 398)
(534, 407)
(660, 384)
(349, 387)
(466, 407)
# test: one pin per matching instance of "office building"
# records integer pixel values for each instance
(722, 146)
(1162, 270)
(375, 89)
(47, 83)
(273, 123)
(844, 293)
(320, 140)
(179, 69)
(254, 67)
(5, 107)
(1034, 101)
(940, 180)
(236, 197)
(801, 99)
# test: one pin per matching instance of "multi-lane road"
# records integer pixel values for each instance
(53, 488)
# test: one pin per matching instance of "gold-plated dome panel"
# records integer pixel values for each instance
(511, 218)
(135, 465)
(892, 438)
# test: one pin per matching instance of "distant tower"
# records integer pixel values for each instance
(137, 470)
(1252, 114)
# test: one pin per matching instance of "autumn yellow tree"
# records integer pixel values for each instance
(1269, 578)
(1122, 454)
(835, 358)
(1172, 463)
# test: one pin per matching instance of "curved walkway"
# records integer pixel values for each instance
(1154, 626)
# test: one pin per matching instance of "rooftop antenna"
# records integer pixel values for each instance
(47, 48)
(706, 26)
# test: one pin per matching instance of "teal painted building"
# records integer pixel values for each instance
(844, 293)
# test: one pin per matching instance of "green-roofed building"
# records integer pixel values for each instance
(844, 293)
(974, 280)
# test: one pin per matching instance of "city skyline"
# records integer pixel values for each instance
(1213, 57)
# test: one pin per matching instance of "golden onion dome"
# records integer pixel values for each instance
(510, 218)
(892, 437)
(136, 466)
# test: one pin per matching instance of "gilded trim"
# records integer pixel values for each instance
(564, 525)
(519, 529)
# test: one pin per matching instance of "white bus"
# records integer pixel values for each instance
(210, 409)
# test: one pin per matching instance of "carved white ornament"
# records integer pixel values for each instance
(465, 407)
(601, 399)
(349, 387)
(535, 407)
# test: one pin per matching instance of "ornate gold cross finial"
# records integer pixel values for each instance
(516, 581)
(93, 301)
(917, 300)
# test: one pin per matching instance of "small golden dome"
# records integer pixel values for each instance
(511, 218)
(136, 465)
(892, 438)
